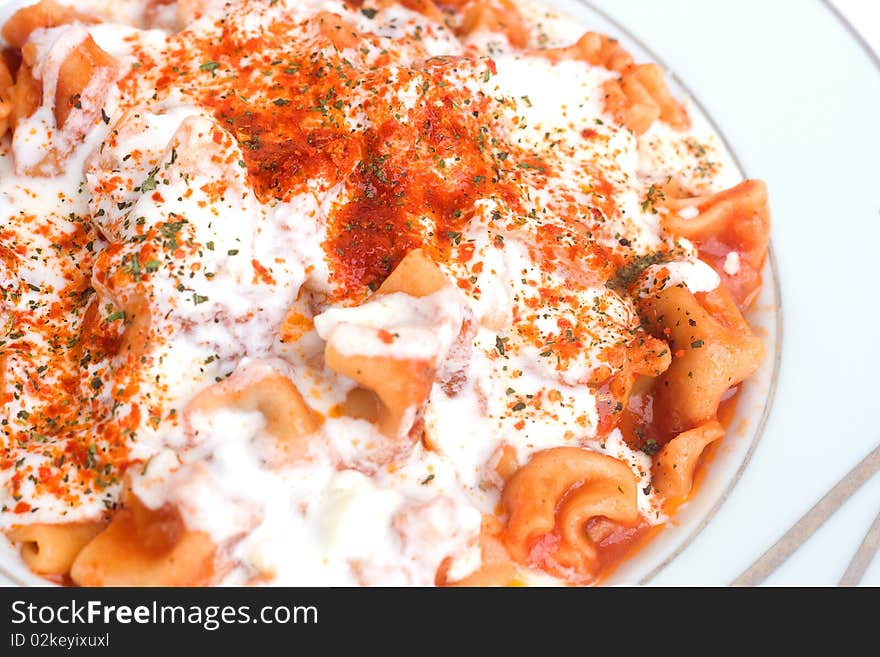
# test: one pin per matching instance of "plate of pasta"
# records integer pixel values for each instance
(366, 292)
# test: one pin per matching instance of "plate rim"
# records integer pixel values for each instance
(872, 54)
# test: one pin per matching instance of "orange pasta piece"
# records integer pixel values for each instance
(399, 385)
(714, 350)
(734, 220)
(288, 418)
(675, 463)
(25, 95)
(361, 404)
(138, 319)
(639, 96)
(502, 17)
(646, 358)
(74, 76)
(650, 77)
(551, 499)
(83, 76)
(630, 103)
(103, 337)
(416, 275)
(50, 549)
(46, 13)
(146, 547)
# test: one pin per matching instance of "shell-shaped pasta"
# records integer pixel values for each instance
(736, 220)
(650, 78)
(72, 82)
(639, 96)
(146, 547)
(416, 275)
(501, 16)
(46, 13)
(50, 549)
(551, 498)
(401, 386)
(264, 389)
(638, 110)
(713, 350)
(675, 463)
(745, 203)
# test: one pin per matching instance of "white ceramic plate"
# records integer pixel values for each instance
(798, 108)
